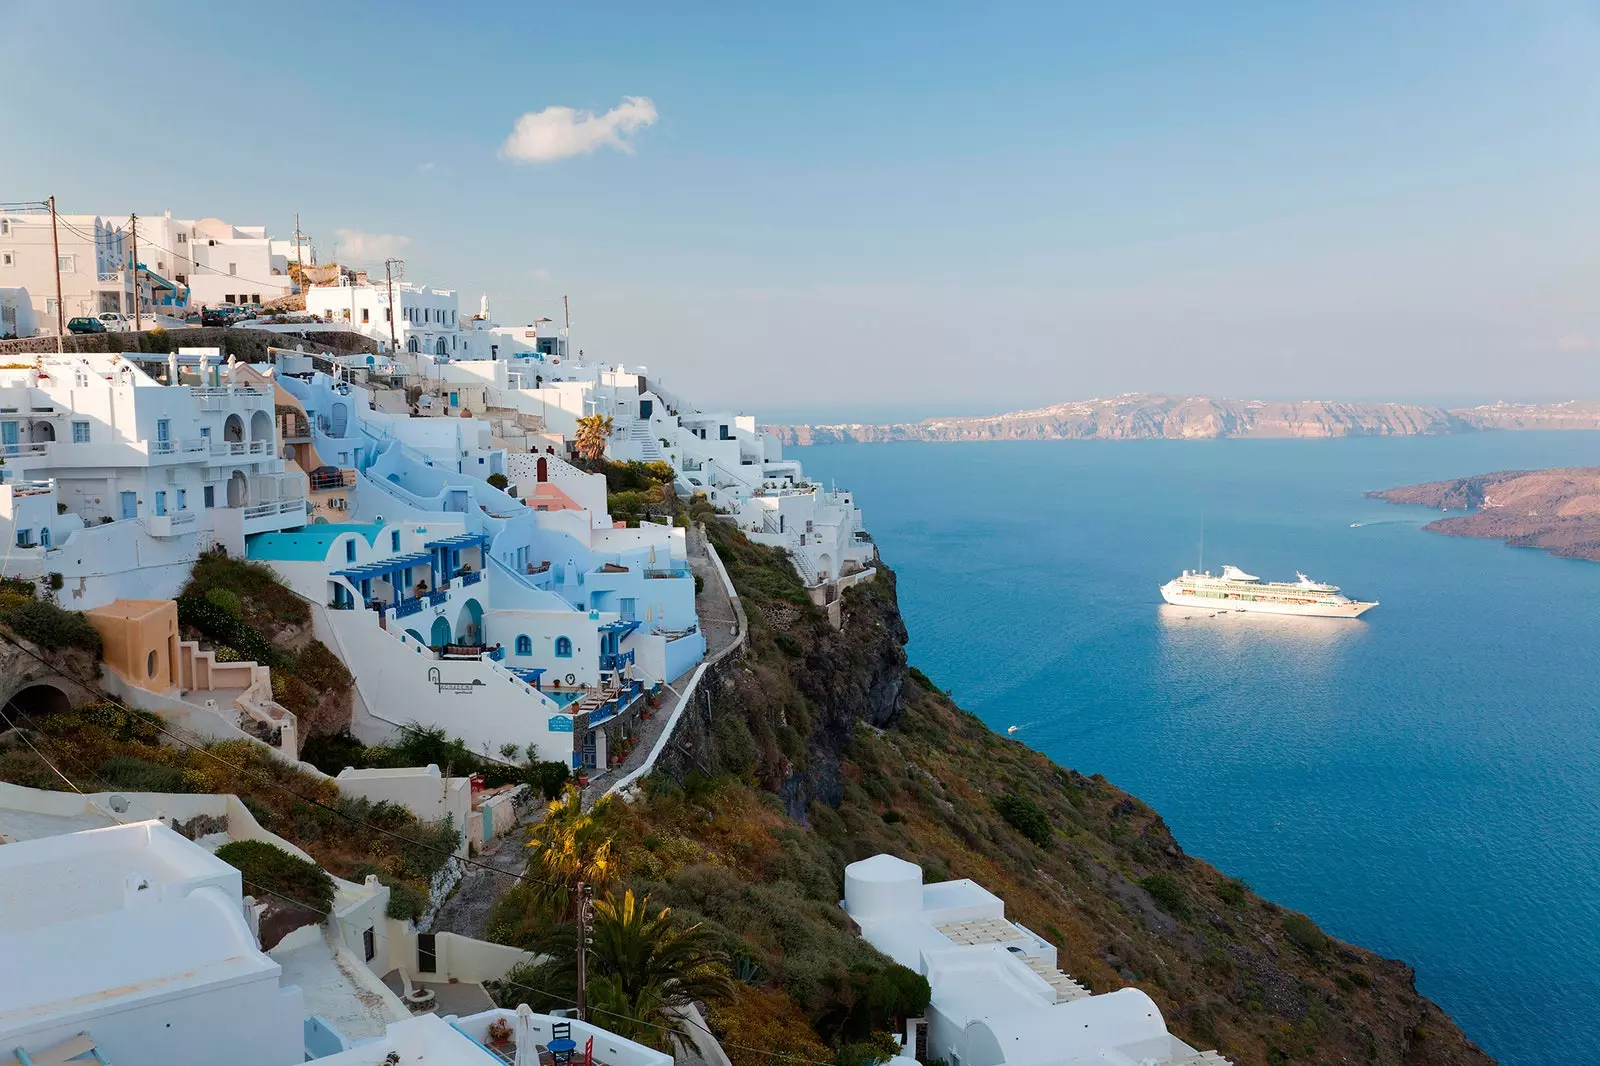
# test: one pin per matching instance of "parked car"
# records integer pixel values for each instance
(215, 316)
(86, 325)
(115, 322)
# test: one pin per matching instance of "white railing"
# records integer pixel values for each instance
(35, 448)
(163, 447)
(239, 447)
(276, 507)
(32, 488)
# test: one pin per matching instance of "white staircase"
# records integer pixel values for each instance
(1066, 988)
(649, 447)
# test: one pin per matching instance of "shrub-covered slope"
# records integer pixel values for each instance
(824, 748)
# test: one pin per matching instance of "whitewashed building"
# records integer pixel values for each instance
(95, 256)
(138, 942)
(998, 997)
(429, 1040)
(147, 459)
(424, 319)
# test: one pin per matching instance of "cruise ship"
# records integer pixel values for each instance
(1235, 590)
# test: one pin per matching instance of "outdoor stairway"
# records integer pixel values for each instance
(1065, 987)
(649, 447)
(71, 1050)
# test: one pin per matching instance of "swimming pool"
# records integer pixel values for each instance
(564, 696)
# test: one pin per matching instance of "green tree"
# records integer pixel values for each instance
(569, 846)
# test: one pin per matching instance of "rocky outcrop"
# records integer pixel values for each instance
(1140, 416)
(1557, 510)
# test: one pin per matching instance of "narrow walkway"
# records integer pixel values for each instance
(466, 912)
(649, 733)
(718, 620)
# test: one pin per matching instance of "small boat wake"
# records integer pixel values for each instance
(1380, 522)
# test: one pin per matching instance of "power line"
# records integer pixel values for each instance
(310, 907)
(275, 784)
(39, 753)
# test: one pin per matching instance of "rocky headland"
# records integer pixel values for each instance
(1145, 416)
(1557, 510)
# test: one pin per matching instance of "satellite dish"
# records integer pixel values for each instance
(119, 804)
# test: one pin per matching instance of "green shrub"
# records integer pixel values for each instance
(224, 654)
(1168, 892)
(141, 775)
(334, 752)
(407, 902)
(321, 669)
(1026, 817)
(1231, 891)
(226, 600)
(1304, 932)
(498, 481)
(221, 627)
(272, 873)
(50, 627)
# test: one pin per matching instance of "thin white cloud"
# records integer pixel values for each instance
(357, 246)
(424, 167)
(563, 132)
(541, 274)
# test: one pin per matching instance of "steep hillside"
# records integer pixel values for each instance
(1557, 510)
(823, 747)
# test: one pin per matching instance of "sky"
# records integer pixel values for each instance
(842, 209)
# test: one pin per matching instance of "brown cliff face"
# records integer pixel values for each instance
(823, 747)
(1144, 417)
(1557, 510)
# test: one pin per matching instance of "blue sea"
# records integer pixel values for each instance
(1424, 781)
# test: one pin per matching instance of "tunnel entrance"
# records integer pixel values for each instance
(37, 701)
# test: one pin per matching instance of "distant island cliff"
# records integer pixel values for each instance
(1145, 416)
(1557, 510)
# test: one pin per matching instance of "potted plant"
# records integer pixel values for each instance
(499, 1031)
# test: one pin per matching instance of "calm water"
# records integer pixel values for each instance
(1423, 781)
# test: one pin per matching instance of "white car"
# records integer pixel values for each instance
(115, 322)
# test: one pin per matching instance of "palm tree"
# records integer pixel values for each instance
(643, 968)
(569, 846)
(593, 433)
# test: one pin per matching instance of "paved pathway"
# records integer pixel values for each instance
(467, 911)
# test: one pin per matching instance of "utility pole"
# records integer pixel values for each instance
(138, 320)
(566, 324)
(389, 266)
(585, 928)
(61, 318)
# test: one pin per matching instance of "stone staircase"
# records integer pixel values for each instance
(1066, 988)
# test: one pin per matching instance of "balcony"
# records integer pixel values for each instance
(408, 607)
(238, 447)
(471, 577)
(37, 449)
(172, 524)
(621, 660)
(277, 514)
(678, 571)
(31, 488)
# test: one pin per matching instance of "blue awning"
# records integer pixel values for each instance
(460, 540)
(385, 566)
(621, 627)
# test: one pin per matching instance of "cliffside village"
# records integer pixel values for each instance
(430, 486)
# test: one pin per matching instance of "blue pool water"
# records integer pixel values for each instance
(1423, 781)
(564, 696)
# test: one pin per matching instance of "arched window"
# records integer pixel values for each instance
(563, 648)
(524, 645)
(411, 344)
(440, 349)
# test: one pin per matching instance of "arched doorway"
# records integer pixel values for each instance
(338, 418)
(543, 468)
(233, 429)
(41, 432)
(440, 633)
(469, 623)
(261, 426)
(825, 567)
(414, 635)
(36, 701)
(238, 489)
(412, 345)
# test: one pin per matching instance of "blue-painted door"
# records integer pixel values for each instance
(130, 504)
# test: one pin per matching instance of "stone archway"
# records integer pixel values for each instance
(261, 426)
(233, 429)
(440, 633)
(36, 699)
(238, 489)
(469, 623)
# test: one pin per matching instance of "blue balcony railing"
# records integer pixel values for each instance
(618, 661)
(407, 608)
(497, 654)
(472, 577)
(438, 596)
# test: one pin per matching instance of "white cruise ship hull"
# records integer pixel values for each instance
(1174, 594)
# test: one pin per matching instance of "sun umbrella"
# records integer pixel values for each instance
(527, 1050)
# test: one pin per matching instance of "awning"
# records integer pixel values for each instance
(385, 566)
(460, 540)
(621, 627)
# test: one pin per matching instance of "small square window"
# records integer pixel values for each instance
(5, 227)
(80, 433)
(68, 264)
(8, 259)
(350, 550)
